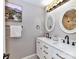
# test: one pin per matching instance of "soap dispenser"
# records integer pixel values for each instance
(73, 43)
(63, 41)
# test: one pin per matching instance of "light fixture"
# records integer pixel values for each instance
(52, 4)
(46, 2)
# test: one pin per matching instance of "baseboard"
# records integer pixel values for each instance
(27, 57)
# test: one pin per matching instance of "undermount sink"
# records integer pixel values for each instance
(63, 45)
(60, 44)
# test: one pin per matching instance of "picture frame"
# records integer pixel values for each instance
(13, 12)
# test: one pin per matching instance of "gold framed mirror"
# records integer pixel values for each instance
(68, 21)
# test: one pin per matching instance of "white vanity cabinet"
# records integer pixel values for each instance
(46, 51)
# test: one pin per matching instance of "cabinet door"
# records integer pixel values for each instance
(53, 53)
(57, 54)
(63, 55)
(39, 48)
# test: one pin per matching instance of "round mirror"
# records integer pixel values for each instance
(49, 23)
(68, 22)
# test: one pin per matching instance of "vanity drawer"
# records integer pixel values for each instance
(46, 55)
(63, 55)
(57, 54)
(46, 51)
(45, 47)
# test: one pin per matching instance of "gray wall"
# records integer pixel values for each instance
(32, 16)
(57, 14)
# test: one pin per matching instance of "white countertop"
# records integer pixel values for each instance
(66, 48)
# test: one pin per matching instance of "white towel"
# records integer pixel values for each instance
(15, 30)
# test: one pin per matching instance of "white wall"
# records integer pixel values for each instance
(32, 15)
(57, 13)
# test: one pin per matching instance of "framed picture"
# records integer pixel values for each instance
(13, 12)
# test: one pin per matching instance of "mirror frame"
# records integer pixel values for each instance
(49, 30)
(62, 27)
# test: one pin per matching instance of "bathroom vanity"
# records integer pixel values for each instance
(48, 49)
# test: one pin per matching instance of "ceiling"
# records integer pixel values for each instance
(41, 3)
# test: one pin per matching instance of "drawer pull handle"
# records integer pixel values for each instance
(45, 52)
(52, 58)
(60, 56)
(45, 57)
(45, 46)
(41, 48)
(38, 42)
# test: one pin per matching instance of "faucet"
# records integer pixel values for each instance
(67, 37)
(48, 35)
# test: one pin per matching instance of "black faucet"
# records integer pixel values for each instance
(47, 35)
(67, 37)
